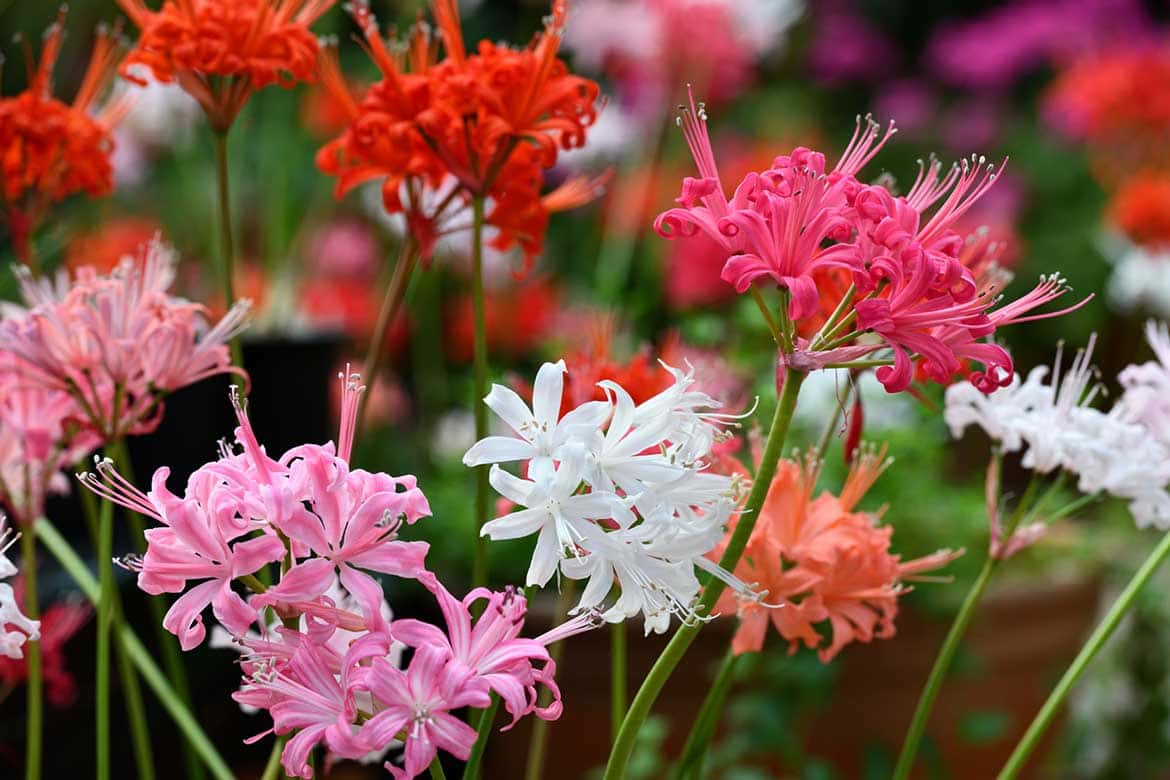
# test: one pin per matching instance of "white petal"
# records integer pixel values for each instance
(498, 449)
(510, 408)
(547, 393)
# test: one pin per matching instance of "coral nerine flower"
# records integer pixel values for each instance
(818, 559)
(480, 124)
(221, 51)
(15, 628)
(799, 225)
(1054, 423)
(50, 149)
(615, 489)
(116, 344)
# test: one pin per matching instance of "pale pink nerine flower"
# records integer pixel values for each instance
(914, 290)
(492, 649)
(417, 705)
(308, 689)
(41, 432)
(118, 343)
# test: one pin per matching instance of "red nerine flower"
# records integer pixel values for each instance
(442, 132)
(59, 623)
(50, 149)
(221, 51)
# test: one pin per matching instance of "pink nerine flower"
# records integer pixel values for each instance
(203, 539)
(236, 511)
(41, 432)
(492, 649)
(417, 703)
(312, 693)
(118, 343)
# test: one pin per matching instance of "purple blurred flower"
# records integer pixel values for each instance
(848, 47)
(910, 102)
(991, 51)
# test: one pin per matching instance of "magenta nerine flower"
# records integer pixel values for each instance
(914, 287)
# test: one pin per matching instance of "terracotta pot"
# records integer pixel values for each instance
(1019, 643)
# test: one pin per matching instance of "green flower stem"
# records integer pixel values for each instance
(537, 743)
(105, 623)
(164, 640)
(483, 730)
(938, 672)
(227, 250)
(1100, 636)
(139, 655)
(135, 709)
(479, 568)
(773, 328)
(673, 652)
(391, 305)
(617, 676)
(34, 745)
(690, 764)
(272, 767)
(946, 654)
(437, 769)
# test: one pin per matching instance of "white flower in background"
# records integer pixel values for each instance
(1146, 399)
(1140, 280)
(616, 492)
(15, 628)
(1056, 426)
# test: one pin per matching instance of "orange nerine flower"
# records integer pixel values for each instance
(221, 51)
(440, 132)
(50, 149)
(823, 567)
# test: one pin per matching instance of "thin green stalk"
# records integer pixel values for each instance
(391, 305)
(537, 743)
(131, 690)
(483, 729)
(773, 328)
(938, 672)
(617, 676)
(677, 647)
(227, 250)
(139, 655)
(1100, 636)
(164, 640)
(946, 655)
(831, 425)
(690, 764)
(105, 623)
(479, 568)
(135, 710)
(272, 767)
(437, 769)
(34, 745)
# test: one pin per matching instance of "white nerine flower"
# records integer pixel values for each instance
(615, 492)
(1056, 426)
(541, 429)
(15, 628)
(1147, 386)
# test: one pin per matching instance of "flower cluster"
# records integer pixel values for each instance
(910, 291)
(1056, 426)
(50, 149)
(481, 124)
(817, 560)
(115, 344)
(15, 628)
(221, 51)
(328, 671)
(614, 490)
